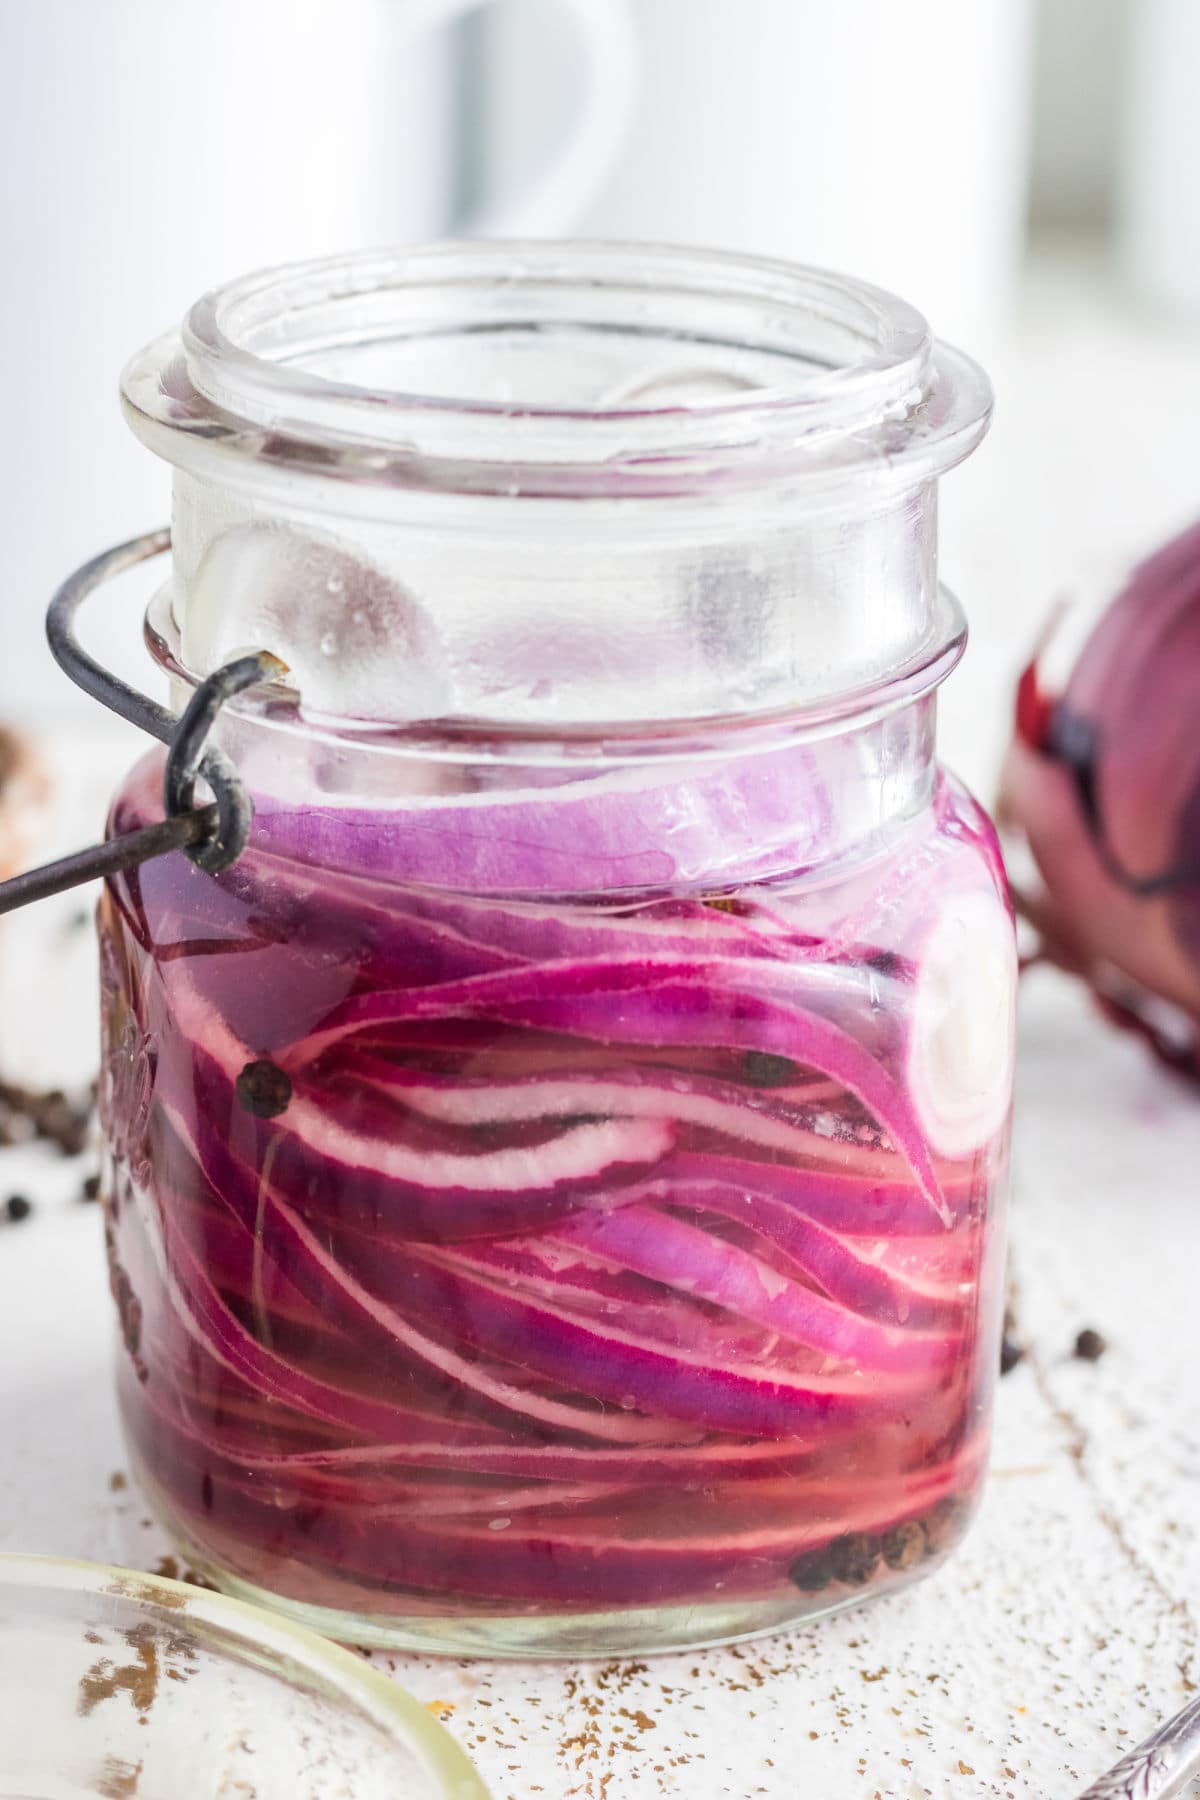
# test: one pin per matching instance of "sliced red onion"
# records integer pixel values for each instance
(295, 1246)
(666, 1249)
(205, 1315)
(666, 1094)
(962, 1033)
(840, 1265)
(538, 1559)
(314, 1154)
(658, 1003)
(568, 1254)
(682, 826)
(619, 1367)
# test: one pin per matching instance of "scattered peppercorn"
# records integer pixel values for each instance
(52, 1116)
(904, 1545)
(854, 1557)
(18, 1207)
(1011, 1354)
(91, 1188)
(1090, 1345)
(811, 1572)
(61, 1122)
(264, 1089)
(765, 1069)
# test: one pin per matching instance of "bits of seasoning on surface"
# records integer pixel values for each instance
(1090, 1345)
(90, 1189)
(17, 1207)
(765, 1069)
(264, 1089)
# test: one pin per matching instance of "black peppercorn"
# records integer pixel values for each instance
(854, 1557)
(811, 1572)
(264, 1089)
(71, 1136)
(91, 1188)
(1090, 1345)
(904, 1545)
(51, 1116)
(1010, 1355)
(942, 1526)
(765, 1069)
(60, 1122)
(18, 1207)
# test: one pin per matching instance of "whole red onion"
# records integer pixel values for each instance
(1104, 782)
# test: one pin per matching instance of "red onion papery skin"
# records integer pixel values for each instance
(1137, 684)
(549, 1285)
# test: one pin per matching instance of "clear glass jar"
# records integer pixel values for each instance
(555, 1180)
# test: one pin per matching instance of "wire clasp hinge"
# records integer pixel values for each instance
(212, 835)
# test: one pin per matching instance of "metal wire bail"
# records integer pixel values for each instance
(213, 836)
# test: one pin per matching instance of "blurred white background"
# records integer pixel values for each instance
(1024, 171)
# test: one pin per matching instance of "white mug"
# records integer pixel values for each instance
(1158, 222)
(153, 148)
(887, 140)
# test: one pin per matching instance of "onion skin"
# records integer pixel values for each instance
(1136, 688)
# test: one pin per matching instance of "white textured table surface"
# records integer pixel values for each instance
(1068, 1623)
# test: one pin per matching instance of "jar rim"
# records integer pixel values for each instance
(868, 392)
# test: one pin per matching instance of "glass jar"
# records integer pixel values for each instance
(555, 1177)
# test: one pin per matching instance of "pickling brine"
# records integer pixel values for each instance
(628, 1266)
(555, 1188)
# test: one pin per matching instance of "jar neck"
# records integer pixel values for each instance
(807, 807)
(550, 486)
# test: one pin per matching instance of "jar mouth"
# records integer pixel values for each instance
(580, 369)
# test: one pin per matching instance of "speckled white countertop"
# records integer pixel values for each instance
(1067, 1625)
